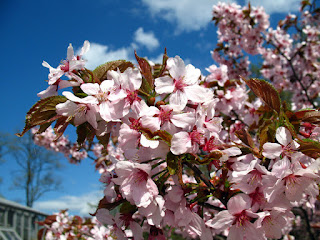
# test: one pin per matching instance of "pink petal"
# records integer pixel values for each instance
(180, 143)
(91, 117)
(90, 88)
(221, 221)
(148, 143)
(192, 75)
(106, 85)
(178, 100)
(67, 108)
(164, 85)
(197, 93)
(184, 120)
(176, 67)
(272, 150)
(239, 203)
(283, 136)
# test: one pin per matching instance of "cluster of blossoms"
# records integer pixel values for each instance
(193, 154)
(63, 226)
(290, 61)
(70, 150)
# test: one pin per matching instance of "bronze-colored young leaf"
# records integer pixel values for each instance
(61, 125)
(309, 115)
(146, 71)
(164, 62)
(310, 148)
(213, 157)
(164, 135)
(245, 137)
(104, 139)
(43, 112)
(101, 71)
(103, 203)
(85, 132)
(266, 92)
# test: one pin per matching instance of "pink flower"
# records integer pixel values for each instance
(182, 84)
(135, 183)
(81, 109)
(238, 217)
(186, 142)
(285, 147)
(71, 64)
(293, 180)
(109, 98)
(169, 119)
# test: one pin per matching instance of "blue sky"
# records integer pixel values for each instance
(34, 31)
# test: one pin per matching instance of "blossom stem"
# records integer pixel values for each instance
(200, 174)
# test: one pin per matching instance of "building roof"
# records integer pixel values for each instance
(9, 203)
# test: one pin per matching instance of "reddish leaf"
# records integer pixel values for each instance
(61, 126)
(266, 92)
(310, 148)
(245, 137)
(101, 71)
(311, 116)
(146, 71)
(103, 203)
(85, 132)
(43, 112)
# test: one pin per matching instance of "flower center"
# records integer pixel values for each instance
(241, 218)
(135, 124)
(291, 179)
(196, 136)
(132, 96)
(65, 67)
(179, 84)
(102, 97)
(165, 115)
(141, 176)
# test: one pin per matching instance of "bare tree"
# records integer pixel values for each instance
(36, 167)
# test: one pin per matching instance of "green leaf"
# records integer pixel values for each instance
(172, 163)
(101, 71)
(163, 135)
(43, 112)
(267, 132)
(127, 208)
(266, 92)
(157, 135)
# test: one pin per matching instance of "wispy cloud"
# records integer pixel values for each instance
(146, 39)
(187, 14)
(279, 6)
(82, 205)
(99, 54)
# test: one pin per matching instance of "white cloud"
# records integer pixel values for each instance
(189, 15)
(99, 54)
(278, 6)
(157, 59)
(78, 204)
(146, 39)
